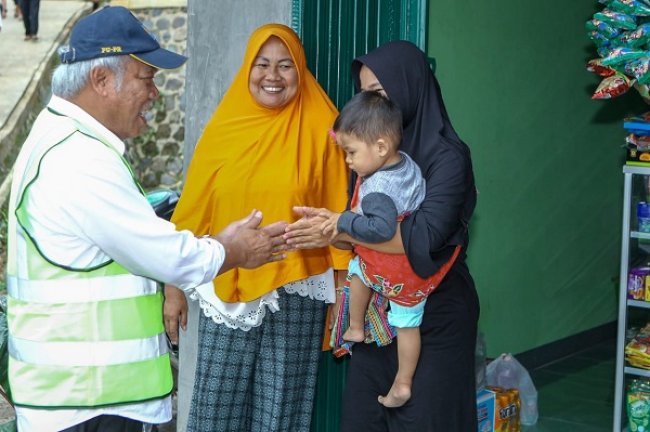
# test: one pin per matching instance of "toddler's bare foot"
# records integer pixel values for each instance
(354, 335)
(397, 396)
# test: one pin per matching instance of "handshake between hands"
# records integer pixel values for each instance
(316, 228)
(248, 245)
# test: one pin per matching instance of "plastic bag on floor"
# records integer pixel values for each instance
(505, 371)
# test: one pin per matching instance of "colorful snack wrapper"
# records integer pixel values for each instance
(639, 69)
(596, 66)
(638, 406)
(632, 7)
(599, 39)
(622, 55)
(616, 19)
(603, 28)
(640, 142)
(612, 86)
(636, 37)
(602, 51)
(644, 91)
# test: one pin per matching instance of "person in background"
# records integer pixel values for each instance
(444, 393)
(87, 346)
(17, 12)
(260, 334)
(29, 10)
(3, 10)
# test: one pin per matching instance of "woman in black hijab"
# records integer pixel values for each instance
(443, 393)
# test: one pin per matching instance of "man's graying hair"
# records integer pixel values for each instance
(369, 116)
(69, 79)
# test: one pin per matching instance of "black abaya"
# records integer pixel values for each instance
(443, 395)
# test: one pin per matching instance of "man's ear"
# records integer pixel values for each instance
(100, 79)
(382, 147)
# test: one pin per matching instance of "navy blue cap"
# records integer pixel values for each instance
(111, 31)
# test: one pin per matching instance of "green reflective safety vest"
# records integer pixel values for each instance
(78, 337)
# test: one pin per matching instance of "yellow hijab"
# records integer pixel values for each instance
(250, 156)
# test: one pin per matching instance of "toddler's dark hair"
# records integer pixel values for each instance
(369, 116)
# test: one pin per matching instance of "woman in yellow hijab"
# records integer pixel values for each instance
(265, 147)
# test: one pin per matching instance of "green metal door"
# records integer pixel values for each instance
(334, 32)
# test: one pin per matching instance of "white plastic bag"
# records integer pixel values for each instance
(505, 371)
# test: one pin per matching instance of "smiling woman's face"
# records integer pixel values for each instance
(273, 79)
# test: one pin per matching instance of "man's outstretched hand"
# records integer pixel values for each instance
(249, 246)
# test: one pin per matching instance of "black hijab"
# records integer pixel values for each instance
(430, 233)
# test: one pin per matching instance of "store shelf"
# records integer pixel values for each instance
(629, 169)
(640, 235)
(637, 371)
(635, 248)
(639, 304)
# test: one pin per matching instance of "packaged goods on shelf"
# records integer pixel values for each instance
(638, 404)
(638, 283)
(637, 351)
(638, 140)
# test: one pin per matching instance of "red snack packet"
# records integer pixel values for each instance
(596, 66)
(612, 86)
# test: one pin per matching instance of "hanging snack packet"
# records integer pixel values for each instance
(631, 7)
(639, 69)
(616, 19)
(620, 41)
(596, 66)
(644, 91)
(599, 39)
(612, 86)
(603, 28)
(621, 55)
(602, 51)
(637, 37)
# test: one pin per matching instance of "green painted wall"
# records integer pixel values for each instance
(545, 238)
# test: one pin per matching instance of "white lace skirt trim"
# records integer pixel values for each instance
(245, 316)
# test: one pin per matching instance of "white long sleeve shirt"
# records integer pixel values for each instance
(87, 210)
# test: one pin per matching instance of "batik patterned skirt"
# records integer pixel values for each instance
(263, 379)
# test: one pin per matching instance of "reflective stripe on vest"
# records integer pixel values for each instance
(79, 337)
(78, 290)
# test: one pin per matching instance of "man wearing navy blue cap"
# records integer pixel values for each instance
(87, 344)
